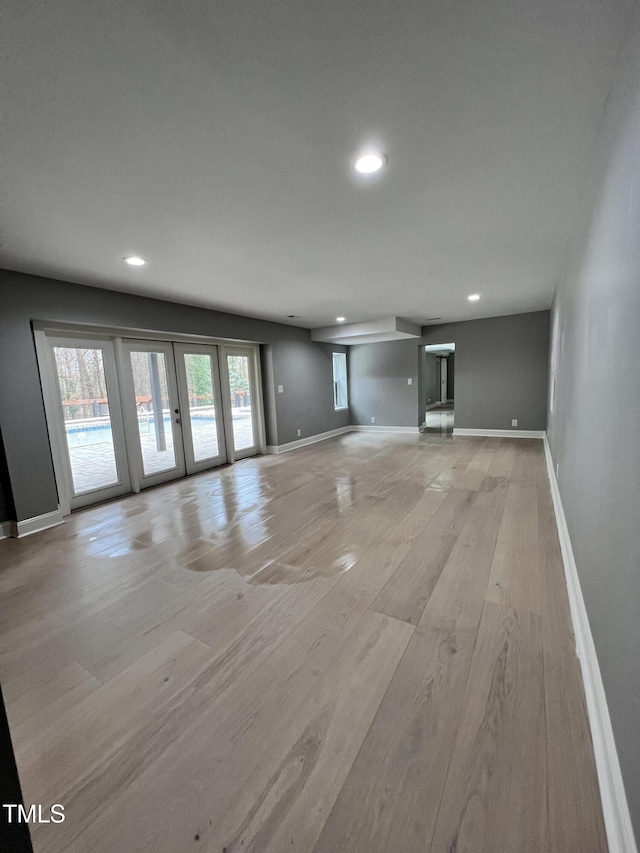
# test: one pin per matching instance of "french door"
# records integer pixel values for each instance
(152, 409)
(85, 421)
(200, 406)
(243, 424)
(126, 414)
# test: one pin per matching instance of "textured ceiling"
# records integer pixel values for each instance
(216, 140)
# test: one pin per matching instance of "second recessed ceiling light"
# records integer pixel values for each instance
(370, 162)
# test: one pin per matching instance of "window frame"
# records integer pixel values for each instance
(337, 380)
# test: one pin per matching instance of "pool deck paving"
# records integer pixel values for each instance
(93, 465)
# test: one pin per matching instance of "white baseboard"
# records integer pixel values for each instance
(36, 524)
(614, 801)
(502, 433)
(303, 442)
(322, 436)
(5, 529)
(431, 406)
(376, 428)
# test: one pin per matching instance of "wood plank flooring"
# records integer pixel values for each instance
(363, 646)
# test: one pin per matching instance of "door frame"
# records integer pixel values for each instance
(43, 330)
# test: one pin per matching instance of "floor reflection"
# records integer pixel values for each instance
(439, 421)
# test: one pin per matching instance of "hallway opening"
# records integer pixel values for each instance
(437, 392)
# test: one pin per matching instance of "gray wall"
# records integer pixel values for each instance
(501, 373)
(306, 371)
(429, 378)
(594, 428)
(378, 386)
(291, 359)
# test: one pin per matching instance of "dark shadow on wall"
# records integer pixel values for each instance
(7, 510)
(451, 376)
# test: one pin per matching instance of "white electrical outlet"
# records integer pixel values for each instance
(280, 389)
(409, 381)
(373, 420)
(299, 432)
(514, 422)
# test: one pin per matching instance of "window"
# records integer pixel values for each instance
(340, 400)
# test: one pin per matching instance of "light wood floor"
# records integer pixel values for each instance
(361, 646)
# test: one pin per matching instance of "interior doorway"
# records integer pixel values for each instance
(438, 391)
(125, 413)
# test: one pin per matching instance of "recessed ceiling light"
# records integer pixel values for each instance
(340, 319)
(370, 162)
(474, 297)
(135, 261)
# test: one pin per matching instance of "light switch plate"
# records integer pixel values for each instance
(280, 389)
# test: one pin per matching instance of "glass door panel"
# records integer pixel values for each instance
(201, 405)
(240, 370)
(93, 431)
(202, 408)
(151, 392)
(152, 404)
